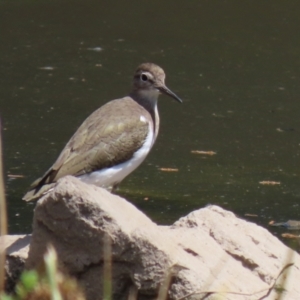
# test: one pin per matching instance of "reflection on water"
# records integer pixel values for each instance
(236, 66)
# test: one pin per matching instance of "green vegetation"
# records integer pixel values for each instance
(50, 284)
(33, 285)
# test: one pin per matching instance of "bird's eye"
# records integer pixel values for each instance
(144, 77)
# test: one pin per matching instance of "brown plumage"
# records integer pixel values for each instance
(111, 136)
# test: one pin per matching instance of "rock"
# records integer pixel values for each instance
(208, 254)
(16, 247)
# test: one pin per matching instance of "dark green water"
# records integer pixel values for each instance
(236, 65)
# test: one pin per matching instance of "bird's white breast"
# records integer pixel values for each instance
(110, 176)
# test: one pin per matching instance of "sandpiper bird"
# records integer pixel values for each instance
(114, 140)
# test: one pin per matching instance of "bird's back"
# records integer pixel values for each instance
(103, 140)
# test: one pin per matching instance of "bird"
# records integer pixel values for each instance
(114, 140)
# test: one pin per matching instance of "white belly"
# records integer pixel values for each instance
(108, 177)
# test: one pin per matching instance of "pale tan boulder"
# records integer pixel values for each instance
(16, 248)
(208, 254)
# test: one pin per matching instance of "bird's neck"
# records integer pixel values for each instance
(148, 99)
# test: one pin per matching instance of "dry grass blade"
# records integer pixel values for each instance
(284, 275)
(14, 176)
(3, 217)
(107, 268)
(269, 182)
(203, 152)
(133, 293)
(50, 259)
(290, 236)
(169, 169)
(164, 288)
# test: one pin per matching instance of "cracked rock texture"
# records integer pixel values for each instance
(16, 247)
(208, 254)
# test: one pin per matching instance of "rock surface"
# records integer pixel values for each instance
(17, 247)
(209, 254)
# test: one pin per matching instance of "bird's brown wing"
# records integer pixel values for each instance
(104, 139)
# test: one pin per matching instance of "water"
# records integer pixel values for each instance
(235, 64)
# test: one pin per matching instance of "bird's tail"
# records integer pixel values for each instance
(38, 191)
